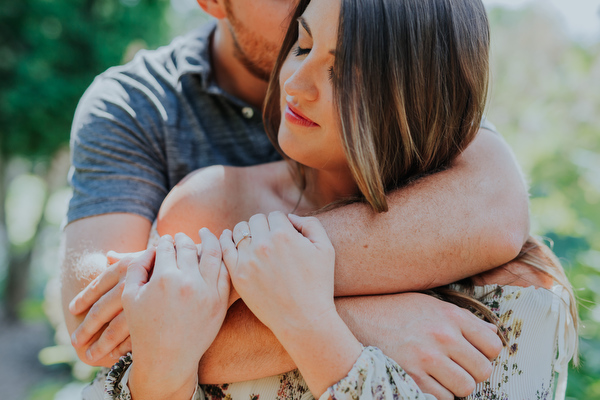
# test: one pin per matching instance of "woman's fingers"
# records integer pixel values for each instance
(210, 258)
(165, 256)
(311, 228)
(241, 232)
(259, 226)
(186, 253)
(224, 285)
(137, 276)
(278, 221)
(230, 254)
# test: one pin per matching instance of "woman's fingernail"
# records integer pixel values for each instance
(88, 354)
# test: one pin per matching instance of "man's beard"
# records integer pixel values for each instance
(256, 55)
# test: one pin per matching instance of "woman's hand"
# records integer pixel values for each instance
(175, 314)
(283, 269)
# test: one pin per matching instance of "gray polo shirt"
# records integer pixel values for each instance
(140, 128)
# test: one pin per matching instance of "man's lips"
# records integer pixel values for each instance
(295, 117)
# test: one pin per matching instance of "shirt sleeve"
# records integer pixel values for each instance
(375, 376)
(117, 150)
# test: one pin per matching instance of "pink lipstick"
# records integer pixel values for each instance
(295, 117)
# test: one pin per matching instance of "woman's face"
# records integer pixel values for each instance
(310, 130)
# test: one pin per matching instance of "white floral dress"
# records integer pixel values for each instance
(537, 324)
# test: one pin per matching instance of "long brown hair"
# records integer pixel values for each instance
(410, 84)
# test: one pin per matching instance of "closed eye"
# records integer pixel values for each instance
(299, 51)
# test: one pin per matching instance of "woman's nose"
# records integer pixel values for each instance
(302, 84)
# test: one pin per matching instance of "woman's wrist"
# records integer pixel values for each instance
(324, 350)
(161, 383)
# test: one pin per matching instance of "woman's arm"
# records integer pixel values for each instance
(174, 314)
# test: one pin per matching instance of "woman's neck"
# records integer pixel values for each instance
(324, 187)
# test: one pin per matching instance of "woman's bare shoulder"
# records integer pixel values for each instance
(215, 197)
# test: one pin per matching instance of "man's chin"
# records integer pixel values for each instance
(254, 69)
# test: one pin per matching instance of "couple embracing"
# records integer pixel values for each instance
(305, 282)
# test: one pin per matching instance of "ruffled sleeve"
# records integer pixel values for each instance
(375, 376)
(115, 387)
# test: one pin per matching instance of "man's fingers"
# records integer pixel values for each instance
(429, 385)
(124, 348)
(187, 253)
(114, 257)
(210, 258)
(101, 313)
(472, 361)
(482, 335)
(453, 378)
(110, 340)
(98, 287)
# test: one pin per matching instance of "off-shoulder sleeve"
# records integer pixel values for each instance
(375, 376)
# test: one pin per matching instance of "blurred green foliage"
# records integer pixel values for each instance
(545, 99)
(50, 52)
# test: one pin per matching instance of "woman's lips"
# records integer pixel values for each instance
(295, 117)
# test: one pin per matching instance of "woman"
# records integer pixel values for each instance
(394, 92)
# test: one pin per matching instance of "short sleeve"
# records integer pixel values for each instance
(375, 376)
(117, 150)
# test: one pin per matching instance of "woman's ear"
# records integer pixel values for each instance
(216, 8)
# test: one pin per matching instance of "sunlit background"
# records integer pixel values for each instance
(545, 100)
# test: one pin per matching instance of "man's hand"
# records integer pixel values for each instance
(103, 336)
(444, 348)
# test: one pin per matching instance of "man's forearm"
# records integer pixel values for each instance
(440, 229)
(85, 244)
(77, 271)
(244, 349)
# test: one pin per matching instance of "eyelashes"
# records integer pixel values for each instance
(331, 74)
(300, 51)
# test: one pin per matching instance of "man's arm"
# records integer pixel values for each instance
(444, 348)
(442, 228)
(86, 242)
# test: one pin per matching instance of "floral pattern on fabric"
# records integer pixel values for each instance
(524, 370)
(292, 386)
(114, 385)
(377, 377)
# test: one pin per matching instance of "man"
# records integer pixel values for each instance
(142, 127)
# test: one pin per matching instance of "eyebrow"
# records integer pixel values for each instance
(305, 25)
